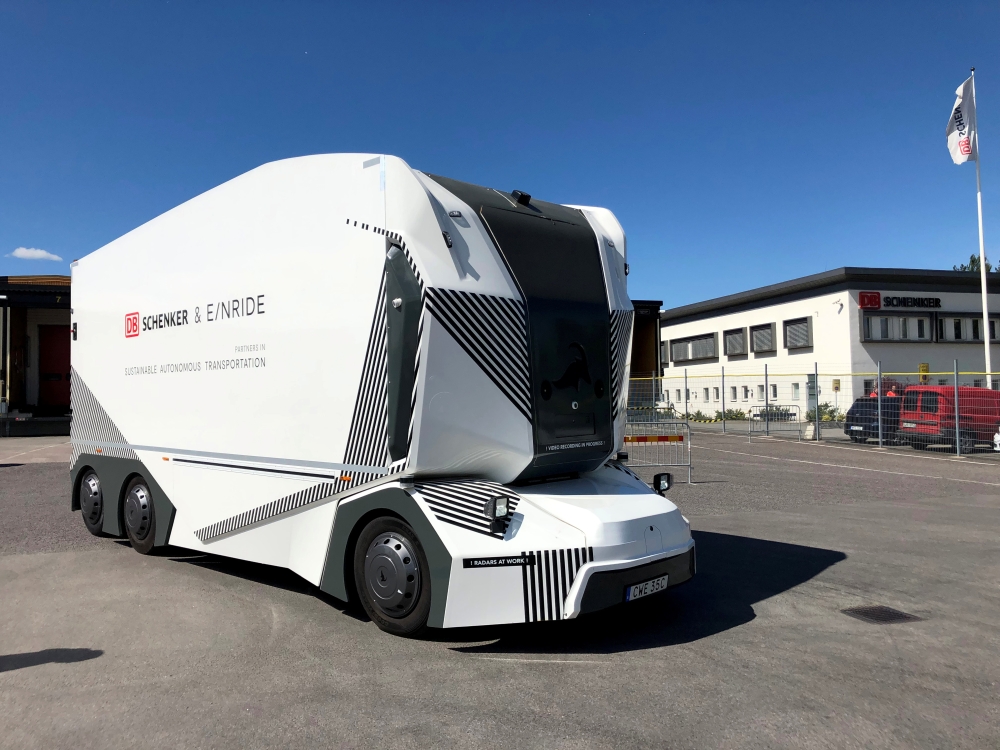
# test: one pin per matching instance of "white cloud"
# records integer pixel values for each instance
(33, 253)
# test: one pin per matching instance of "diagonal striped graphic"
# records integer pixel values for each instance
(91, 426)
(460, 502)
(266, 511)
(547, 579)
(621, 337)
(493, 331)
(368, 439)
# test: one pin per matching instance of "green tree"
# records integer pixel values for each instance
(973, 265)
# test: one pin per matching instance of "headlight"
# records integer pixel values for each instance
(497, 509)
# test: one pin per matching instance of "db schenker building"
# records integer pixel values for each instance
(842, 322)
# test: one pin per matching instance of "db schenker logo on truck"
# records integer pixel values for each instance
(131, 325)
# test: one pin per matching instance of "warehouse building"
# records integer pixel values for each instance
(34, 355)
(841, 323)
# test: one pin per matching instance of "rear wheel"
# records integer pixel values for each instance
(140, 519)
(91, 498)
(392, 577)
(967, 440)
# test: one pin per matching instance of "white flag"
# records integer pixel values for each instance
(962, 137)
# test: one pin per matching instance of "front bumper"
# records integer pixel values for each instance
(600, 585)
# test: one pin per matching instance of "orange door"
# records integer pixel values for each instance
(53, 365)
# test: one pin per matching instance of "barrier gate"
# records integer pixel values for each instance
(776, 420)
(656, 444)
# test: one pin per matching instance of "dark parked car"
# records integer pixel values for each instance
(862, 419)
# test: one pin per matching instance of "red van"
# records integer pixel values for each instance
(927, 415)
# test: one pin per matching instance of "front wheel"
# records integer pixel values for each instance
(919, 445)
(140, 520)
(392, 577)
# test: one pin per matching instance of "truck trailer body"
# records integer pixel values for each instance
(402, 387)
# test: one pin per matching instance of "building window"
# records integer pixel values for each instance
(696, 347)
(869, 386)
(687, 394)
(940, 329)
(976, 383)
(798, 333)
(715, 393)
(735, 341)
(774, 390)
(868, 329)
(976, 324)
(762, 338)
(904, 328)
(678, 398)
(993, 329)
(705, 393)
(746, 393)
(942, 381)
(921, 328)
(760, 393)
(732, 393)
(957, 324)
(883, 328)
(795, 391)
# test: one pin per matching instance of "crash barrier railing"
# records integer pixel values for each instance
(775, 420)
(658, 443)
(835, 402)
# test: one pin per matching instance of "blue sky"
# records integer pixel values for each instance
(739, 144)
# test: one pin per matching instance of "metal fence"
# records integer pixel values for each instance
(775, 420)
(827, 401)
(658, 443)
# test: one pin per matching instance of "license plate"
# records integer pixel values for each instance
(857, 427)
(646, 588)
(909, 424)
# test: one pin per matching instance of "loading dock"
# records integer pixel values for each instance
(34, 355)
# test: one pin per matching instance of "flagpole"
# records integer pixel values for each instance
(982, 251)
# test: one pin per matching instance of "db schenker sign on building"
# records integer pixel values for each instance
(878, 301)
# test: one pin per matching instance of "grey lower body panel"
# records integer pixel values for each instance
(115, 474)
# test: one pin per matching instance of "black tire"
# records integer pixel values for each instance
(968, 441)
(856, 439)
(919, 445)
(91, 497)
(388, 551)
(139, 516)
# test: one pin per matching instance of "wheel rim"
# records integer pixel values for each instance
(138, 512)
(392, 575)
(91, 497)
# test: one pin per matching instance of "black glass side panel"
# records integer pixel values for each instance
(557, 266)
(402, 321)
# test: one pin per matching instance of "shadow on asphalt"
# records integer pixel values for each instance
(10, 662)
(266, 575)
(10, 466)
(734, 573)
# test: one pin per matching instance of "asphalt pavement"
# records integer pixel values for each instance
(103, 648)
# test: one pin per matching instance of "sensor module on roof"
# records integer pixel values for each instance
(523, 198)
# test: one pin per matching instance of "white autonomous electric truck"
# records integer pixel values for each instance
(404, 388)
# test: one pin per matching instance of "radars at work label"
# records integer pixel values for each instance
(497, 562)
